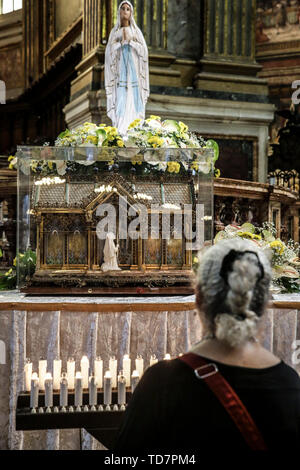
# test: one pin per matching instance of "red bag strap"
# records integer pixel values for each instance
(208, 371)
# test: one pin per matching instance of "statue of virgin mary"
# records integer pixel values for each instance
(110, 253)
(126, 71)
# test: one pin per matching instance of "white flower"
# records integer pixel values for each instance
(154, 123)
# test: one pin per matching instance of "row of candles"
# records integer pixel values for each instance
(78, 381)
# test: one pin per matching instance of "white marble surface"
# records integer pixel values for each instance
(287, 297)
(15, 296)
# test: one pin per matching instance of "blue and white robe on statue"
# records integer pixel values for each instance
(126, 77)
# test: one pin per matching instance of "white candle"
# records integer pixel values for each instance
(153, 360)
(107, 388)
(127, 369)
(56, 373)
(71, 373)
(121, 389)
(27, 375)
(167, 357)
(34, 391)
(63, 398)
(134, 380)
(139, 365)
(42, 373)
(113, 365)
(85, 371)
(98, 371)
(48, 390)
(78, 389)
(92, 391)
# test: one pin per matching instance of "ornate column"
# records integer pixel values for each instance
(38, 34)
(228, 62)
(83, 106)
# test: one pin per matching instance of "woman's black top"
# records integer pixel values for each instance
(172, 409)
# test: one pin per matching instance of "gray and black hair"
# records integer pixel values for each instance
(232, 289)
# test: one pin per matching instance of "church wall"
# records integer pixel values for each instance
(11, 53)
(66, 12)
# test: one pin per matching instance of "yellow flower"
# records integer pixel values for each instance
(11, 158)
(195, 260)
(173, 167)
(136, 161)
(135, 123)
(120, 143)
(195, 166)
(92, 139)
(11, 166)
(278, 246)
(9, 272)
(15, 262)
(111, 162)
(155, 141)
(183, 128)
(217, 173)
(50, 165)
(251, 236)
(157, 118)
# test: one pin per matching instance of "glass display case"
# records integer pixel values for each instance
(107, 220)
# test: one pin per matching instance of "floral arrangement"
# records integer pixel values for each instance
(90, 135)
(141, 142)
(284, 256)
(26, 263)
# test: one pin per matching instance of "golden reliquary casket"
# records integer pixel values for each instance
(102, 226)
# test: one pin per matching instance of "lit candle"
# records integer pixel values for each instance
(127, 369)
(63, 398)
(98, 370)
(167, 357)
(56, 373)
(34, 391)
(71, 373)
(121, 389)
(78, 389)
(48, 390)
(92, 391)
(134, 380)
(113, 364)
(27, 375)
(139, 365)
(107, 388)
(85, 371)
(42, 373)
(153, 360)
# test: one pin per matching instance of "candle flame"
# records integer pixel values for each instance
(135, 373)
(107, 374)
(78, 375)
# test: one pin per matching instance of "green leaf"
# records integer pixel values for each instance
(247, 227)
(171, 125)
(268, 236)
(101, 134)
(214, 145)
(65, 133)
